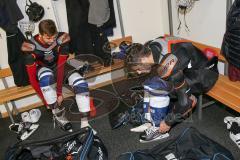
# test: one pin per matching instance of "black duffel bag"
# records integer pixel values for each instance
(80, 145)
(189, 145)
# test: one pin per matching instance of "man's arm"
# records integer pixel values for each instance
(63, 52)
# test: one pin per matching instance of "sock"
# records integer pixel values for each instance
(84, 122)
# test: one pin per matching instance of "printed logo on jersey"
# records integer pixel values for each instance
(167, 66)
(48, 56)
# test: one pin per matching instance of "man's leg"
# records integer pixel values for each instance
(31, 68)
(48, 89)
(80, 87)
(147, 115)
(158, 109)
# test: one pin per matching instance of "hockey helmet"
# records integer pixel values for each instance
(34, 11)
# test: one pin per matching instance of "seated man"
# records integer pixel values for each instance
(187, 69)
(45, 56)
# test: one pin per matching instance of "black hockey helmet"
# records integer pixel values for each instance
(34, 11)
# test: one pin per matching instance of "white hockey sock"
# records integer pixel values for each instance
(84, 122)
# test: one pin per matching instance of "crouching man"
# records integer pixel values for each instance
(183, 73)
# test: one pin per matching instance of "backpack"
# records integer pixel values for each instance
(79, 145)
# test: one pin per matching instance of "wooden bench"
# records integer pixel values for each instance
(10, 94)
(224, 91)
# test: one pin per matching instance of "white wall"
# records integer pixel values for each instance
(144, 19)
(206, 22)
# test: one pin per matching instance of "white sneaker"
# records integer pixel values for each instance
(152, 134)
(141, 128)
(228, 120)
(29, 131)
(26, 117)
(23, 129)
(235, 138)
(35, 114)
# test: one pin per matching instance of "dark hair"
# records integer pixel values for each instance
(134, 54)
(48, 27)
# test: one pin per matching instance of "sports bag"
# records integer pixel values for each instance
(80, 145)
(189, 145)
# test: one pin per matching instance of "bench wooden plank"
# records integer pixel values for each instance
(15, 93)
(226, 92)
(6, 72)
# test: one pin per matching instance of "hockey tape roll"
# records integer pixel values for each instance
(159, 101)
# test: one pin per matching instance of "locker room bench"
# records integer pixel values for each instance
(224, 91)
(10, 94)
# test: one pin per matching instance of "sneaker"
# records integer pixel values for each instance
(228, 120)
(152, 134)
(23, 129)
(35, 115)
(61, 120)
(235, 138)
(141, 128)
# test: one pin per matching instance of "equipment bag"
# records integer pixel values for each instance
(189, 145)
(80, 145)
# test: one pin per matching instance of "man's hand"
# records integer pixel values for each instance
(59, 100)
(163, 128)
(27, 47)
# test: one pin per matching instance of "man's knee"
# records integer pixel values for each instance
(80, 87)
(46, 82)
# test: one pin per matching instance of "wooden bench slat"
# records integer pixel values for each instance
(226, 92)
(6, 72)
(228, 89)
(224, 97)
(18, 93)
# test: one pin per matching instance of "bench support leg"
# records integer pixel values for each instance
(9, 113)
(199, 106)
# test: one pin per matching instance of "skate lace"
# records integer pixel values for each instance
(150, 130)
(61, 119)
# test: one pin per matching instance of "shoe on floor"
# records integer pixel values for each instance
(235, 138)
(152, 134)
(234, 133)
(23, 129)
(141, 128)
(228, 120)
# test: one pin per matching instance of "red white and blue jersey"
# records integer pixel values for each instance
(47, 55)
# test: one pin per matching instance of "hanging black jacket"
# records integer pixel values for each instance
(231, 41)
(10, 14)
(15, 58)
